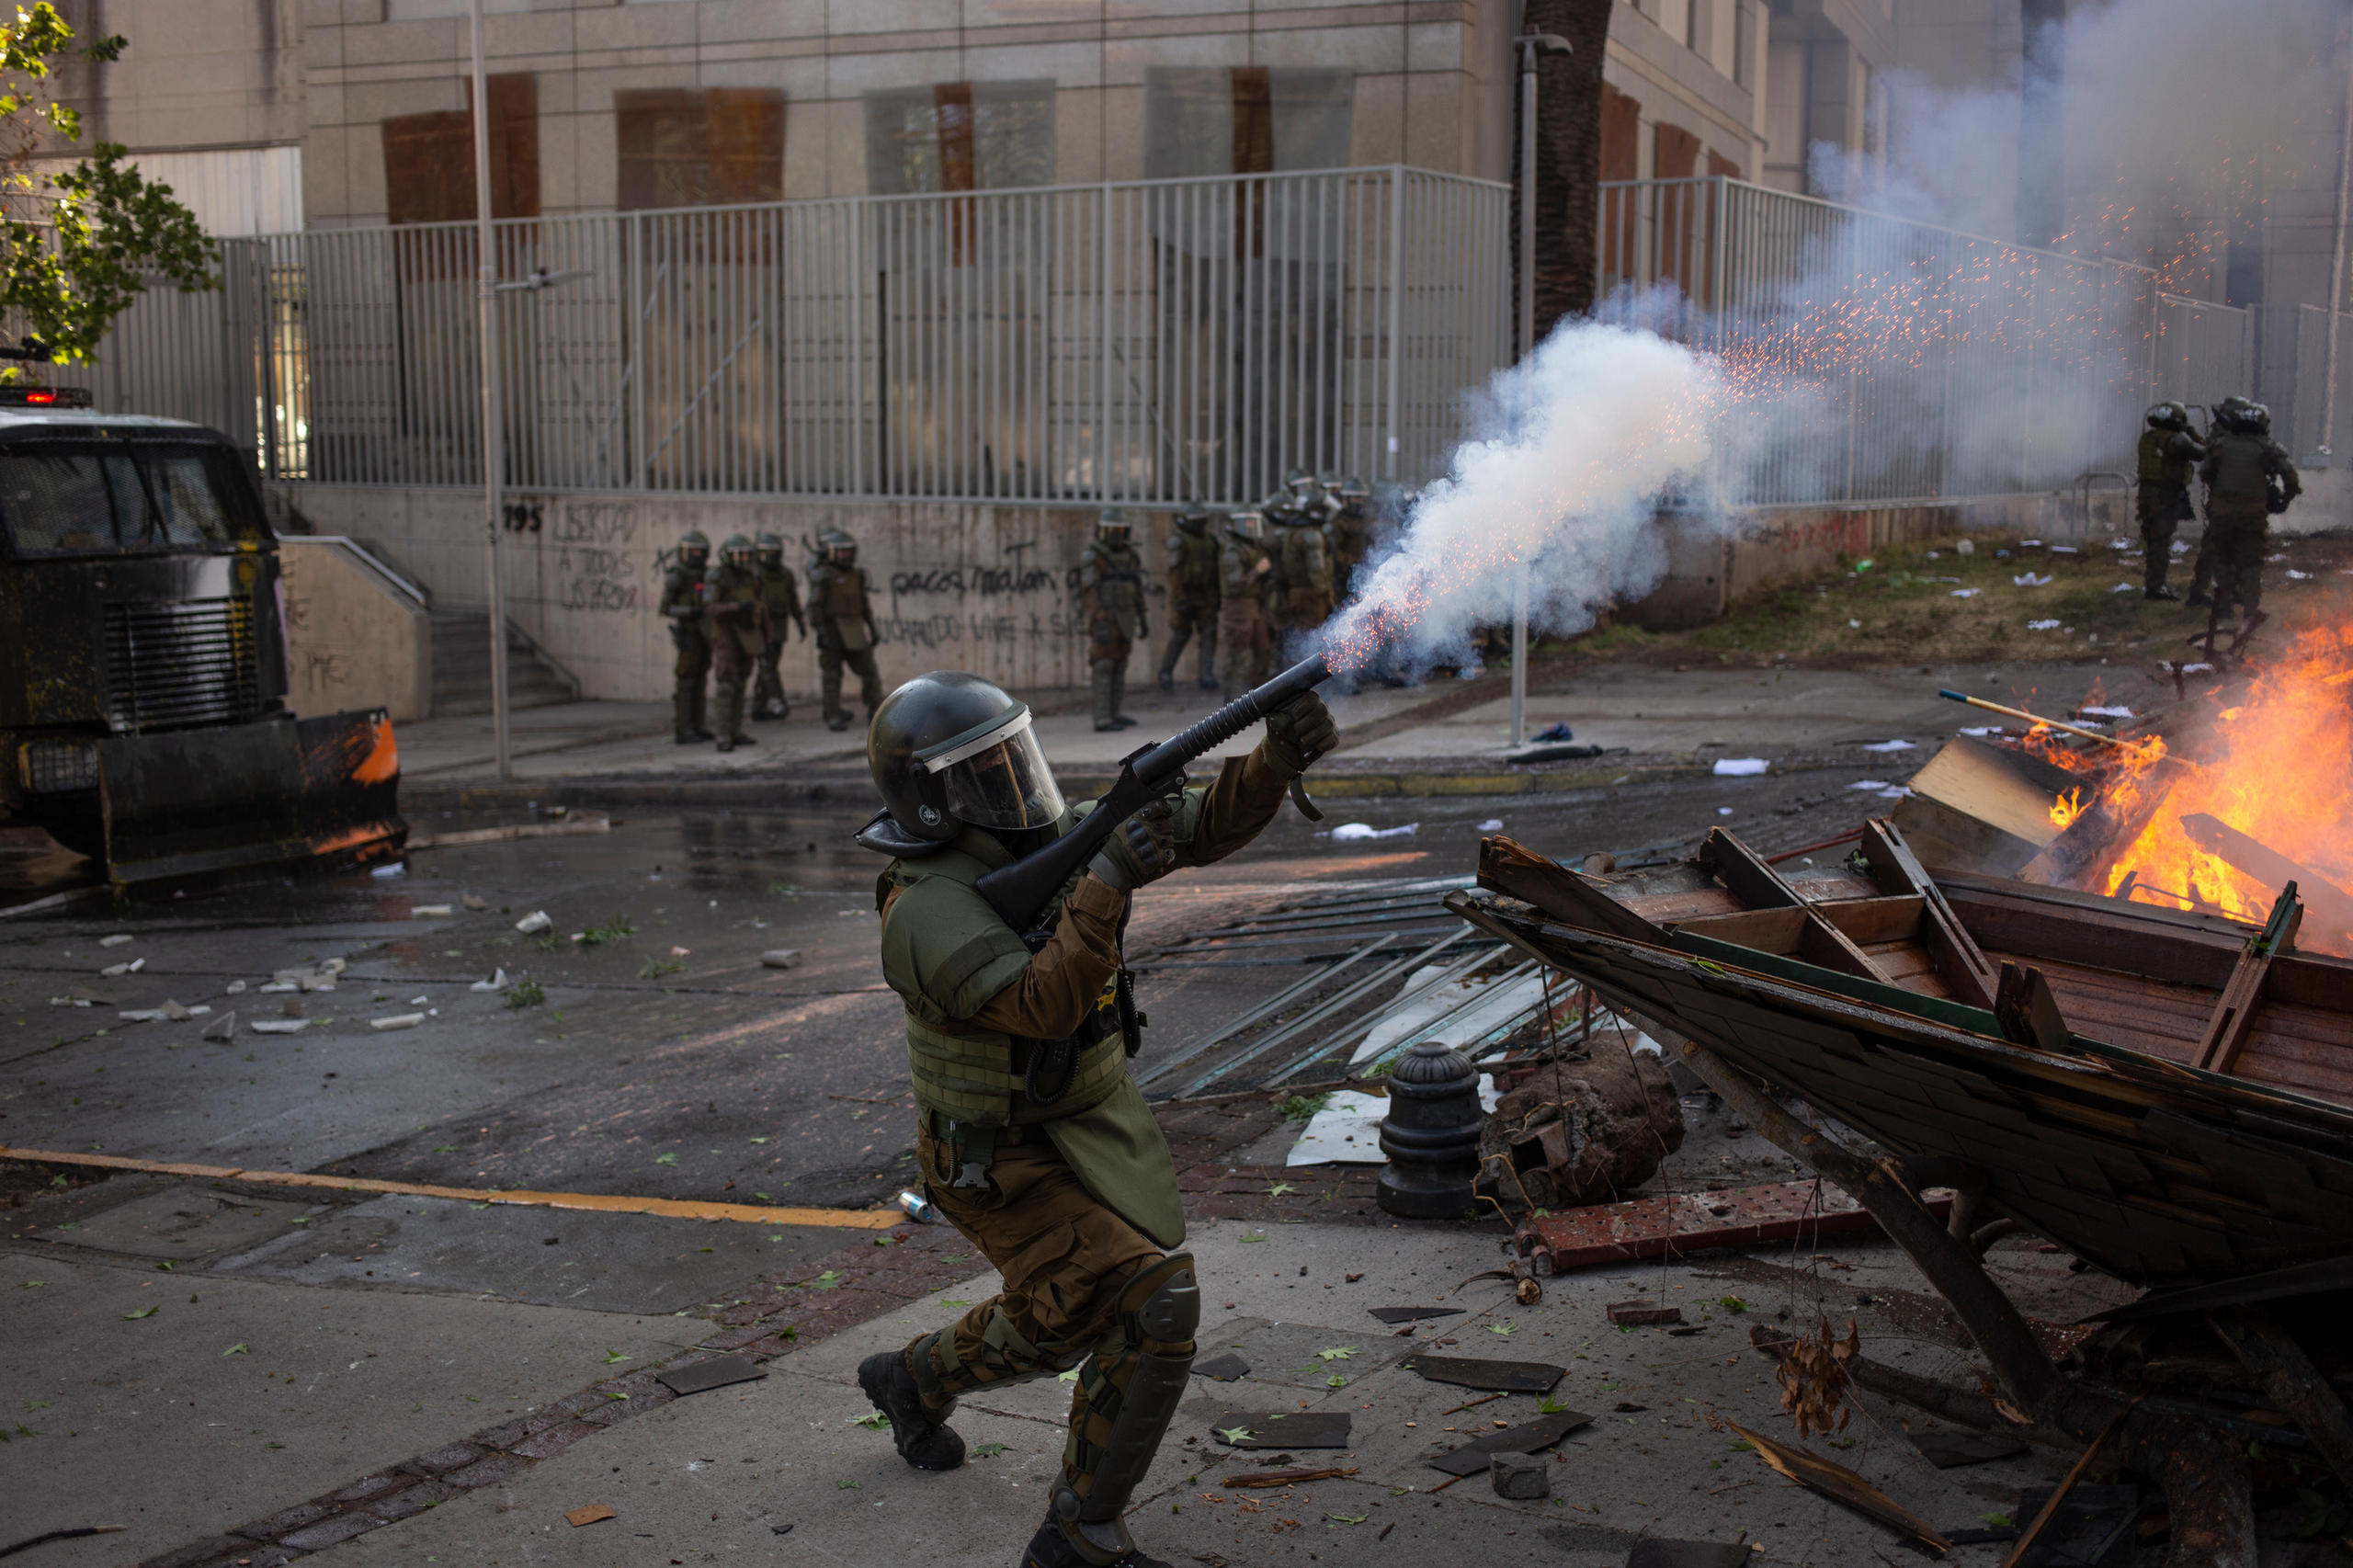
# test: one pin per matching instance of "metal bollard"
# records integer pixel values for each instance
(1431, 1135)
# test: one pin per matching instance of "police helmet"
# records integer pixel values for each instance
(1248, 525)
(2235, 413)
(948, 750)
(838, 546)
(2168, 416)
(2258, 418)
(1111, 525)
(1353, 490)
(771, 547)
(736, 548)
(694, 544)
(1193, 517)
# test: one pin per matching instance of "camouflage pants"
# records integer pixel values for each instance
(2162, 512)
(1241, 627)
(2238, 535)
(767, 685)
(1187, 617)
(1067, 1262)
(688, 671)
(831, 662)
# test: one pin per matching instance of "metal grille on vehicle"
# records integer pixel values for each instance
(170, 665)
(56, 767)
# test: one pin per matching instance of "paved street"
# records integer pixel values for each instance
(190, 1354)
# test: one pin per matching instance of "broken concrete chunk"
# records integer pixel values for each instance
(279, 1026)
(117, 939)
(430, 911)
(1520, 1478)
(177, 1014)
(397, 1021)
(1477, 1372)
(531, 925)
(220, 1029)
(133, 967)
(495, 983)
(780, 957)
(474, 901)
(234, 988)
(140, 1014)
(1630, 1314)
(1527, 1437)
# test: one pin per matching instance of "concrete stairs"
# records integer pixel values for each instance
(461, 669)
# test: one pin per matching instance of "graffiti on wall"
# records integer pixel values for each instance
(597, 561)
(984, 604)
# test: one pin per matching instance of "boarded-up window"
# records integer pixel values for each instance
(429, 158)
(1718, 165)
(960, 136)
(681, 147)
(1244, 120)
(1677, 153)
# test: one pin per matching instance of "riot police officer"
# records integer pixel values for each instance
(2169, 452)
(739, 630)
(1110, 590)
(1243, 565)
(682, 607)
(1194, 593)
(1349, 529)
(2248, 476)
(780, 597)
(1305, 564)
(839, 603)
(1032, 1138)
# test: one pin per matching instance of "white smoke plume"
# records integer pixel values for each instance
(1580, 440)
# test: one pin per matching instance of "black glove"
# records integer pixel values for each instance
(1149, 837)
(1298, 733)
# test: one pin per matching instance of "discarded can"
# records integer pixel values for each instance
(918, 1208)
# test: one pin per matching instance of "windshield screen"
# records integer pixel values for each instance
(106, 498)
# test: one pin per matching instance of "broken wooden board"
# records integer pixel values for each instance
(1840, 1484)
(1478, 1373)
(1414, 1314)
(1283, 1429)
(1641, 1228)
(700, 1377)
(1527, 1437)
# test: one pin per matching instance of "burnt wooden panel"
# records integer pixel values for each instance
(1755, 882)
(1957, 958)
(684, 147)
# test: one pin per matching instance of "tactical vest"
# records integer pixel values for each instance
(1116, 577)
(779, 592)
(838, 593)
(1238, 564)
(682, 602)
(2239, 469)
(1302, 564)
(2161, 462)
(970, 1075)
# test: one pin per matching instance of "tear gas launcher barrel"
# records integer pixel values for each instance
(1021, 892)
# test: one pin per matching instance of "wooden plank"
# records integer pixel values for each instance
(2127, 946)
(1767, 930)
(2314, 981)
(2226, 1032)
(1759, 885)
(1511, 868)
(2027, 1011)
(1964, 968)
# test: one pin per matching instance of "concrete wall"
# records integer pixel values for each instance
(356, 637)
(984, 588)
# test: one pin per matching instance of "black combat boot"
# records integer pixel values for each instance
(1167, 680)
(924, 1443)
(2197, 598)
(2161, 593)
(1053, 1546)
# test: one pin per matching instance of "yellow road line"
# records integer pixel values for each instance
(596, 1202)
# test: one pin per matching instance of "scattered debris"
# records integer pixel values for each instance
(1267, 1478)
(117, 939)
(1477, 1372)
(1223, 1369)
(1283, 1429)
(1815, 1378)
(397, 1021)
(1950, 1450)
(1581, 1132)
(1739, 767)
(594, 1513)
(1840, 1484)
(565, 826)
(1689, 1222)
(1651, 1552)
(1527, 1437)
(780, 957)
(222, 1029)
(474, 902)
(918, 1208)
(1353, 832)
(716, 1371)
(1640, 1313)
(77, 1533)
(1413, 1314)
(114, 971)
(278, 1026)
(1519, 1478)
(531, 925)
(497, 981)
(430, 911)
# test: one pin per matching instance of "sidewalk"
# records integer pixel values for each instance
(712, 1476)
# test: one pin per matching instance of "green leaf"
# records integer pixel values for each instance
(1279, 1188)
(1302, 1107)
(165, 1267)
(1253, 1237)
(609, 1394)
(828, 1280)
(1235, 1434)
(951, 1301)
(1069, 1377)
(1336, 1352)
(1732, 1304)
(873, 1421)
(236, 1349)
(1348, 1518)
(614, 1357)
(446, 1149)
(1741, 1446)
(1503, 1328)
(846, 1485)
(1336, 1381)
(987, 1450)
(31, 1284)
(139, 1312)
(1551, 1406)
(1709, 965)
(1994, 1521)
(669, 1159)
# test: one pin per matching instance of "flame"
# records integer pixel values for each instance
(2276, 771)
(2067, 807)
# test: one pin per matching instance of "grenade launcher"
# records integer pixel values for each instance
(1020, 893)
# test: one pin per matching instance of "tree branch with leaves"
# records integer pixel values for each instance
(80, 241)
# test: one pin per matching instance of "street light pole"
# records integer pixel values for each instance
(493, 456)
(1531, 44)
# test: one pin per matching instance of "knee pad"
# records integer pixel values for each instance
(1162, 1304)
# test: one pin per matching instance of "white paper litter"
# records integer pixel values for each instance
(1493, 825)
(2028, 580)
(117, 939)
(1740, 767)
(133, 967)
(2105, 711)
(1889, 746)
(2043, 626)
(278, 1026)
(1723, 810)
(2122, 589)
(1350, 832)
(1868, 784)
(431, 911)
(1346, 1131)
(221, 1028)
(2180, 547)
(234, 988)
(1966, 593)
(2298, 577)
(273, 987)
(397, 1021)
(495, 983)
(531, 925)
(1981, 730)
(780, 957)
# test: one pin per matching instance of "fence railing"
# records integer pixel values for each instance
(1151, 342)
(1921, 362)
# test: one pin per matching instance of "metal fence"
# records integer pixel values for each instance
(1914, 362)
(1151, 342)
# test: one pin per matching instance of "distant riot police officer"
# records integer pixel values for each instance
(1032, 1137)
(1194, 593)
(682, 607)
(1242, 567)
(846, 634)
(739, 630)
(1306, 568)
(780, 597)
(1350, 530)
(2248, 476)
(2169, 454)
(1110, 590)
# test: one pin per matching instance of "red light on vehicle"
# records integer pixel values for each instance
(41, 397)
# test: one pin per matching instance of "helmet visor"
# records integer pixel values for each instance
(1007, 784)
